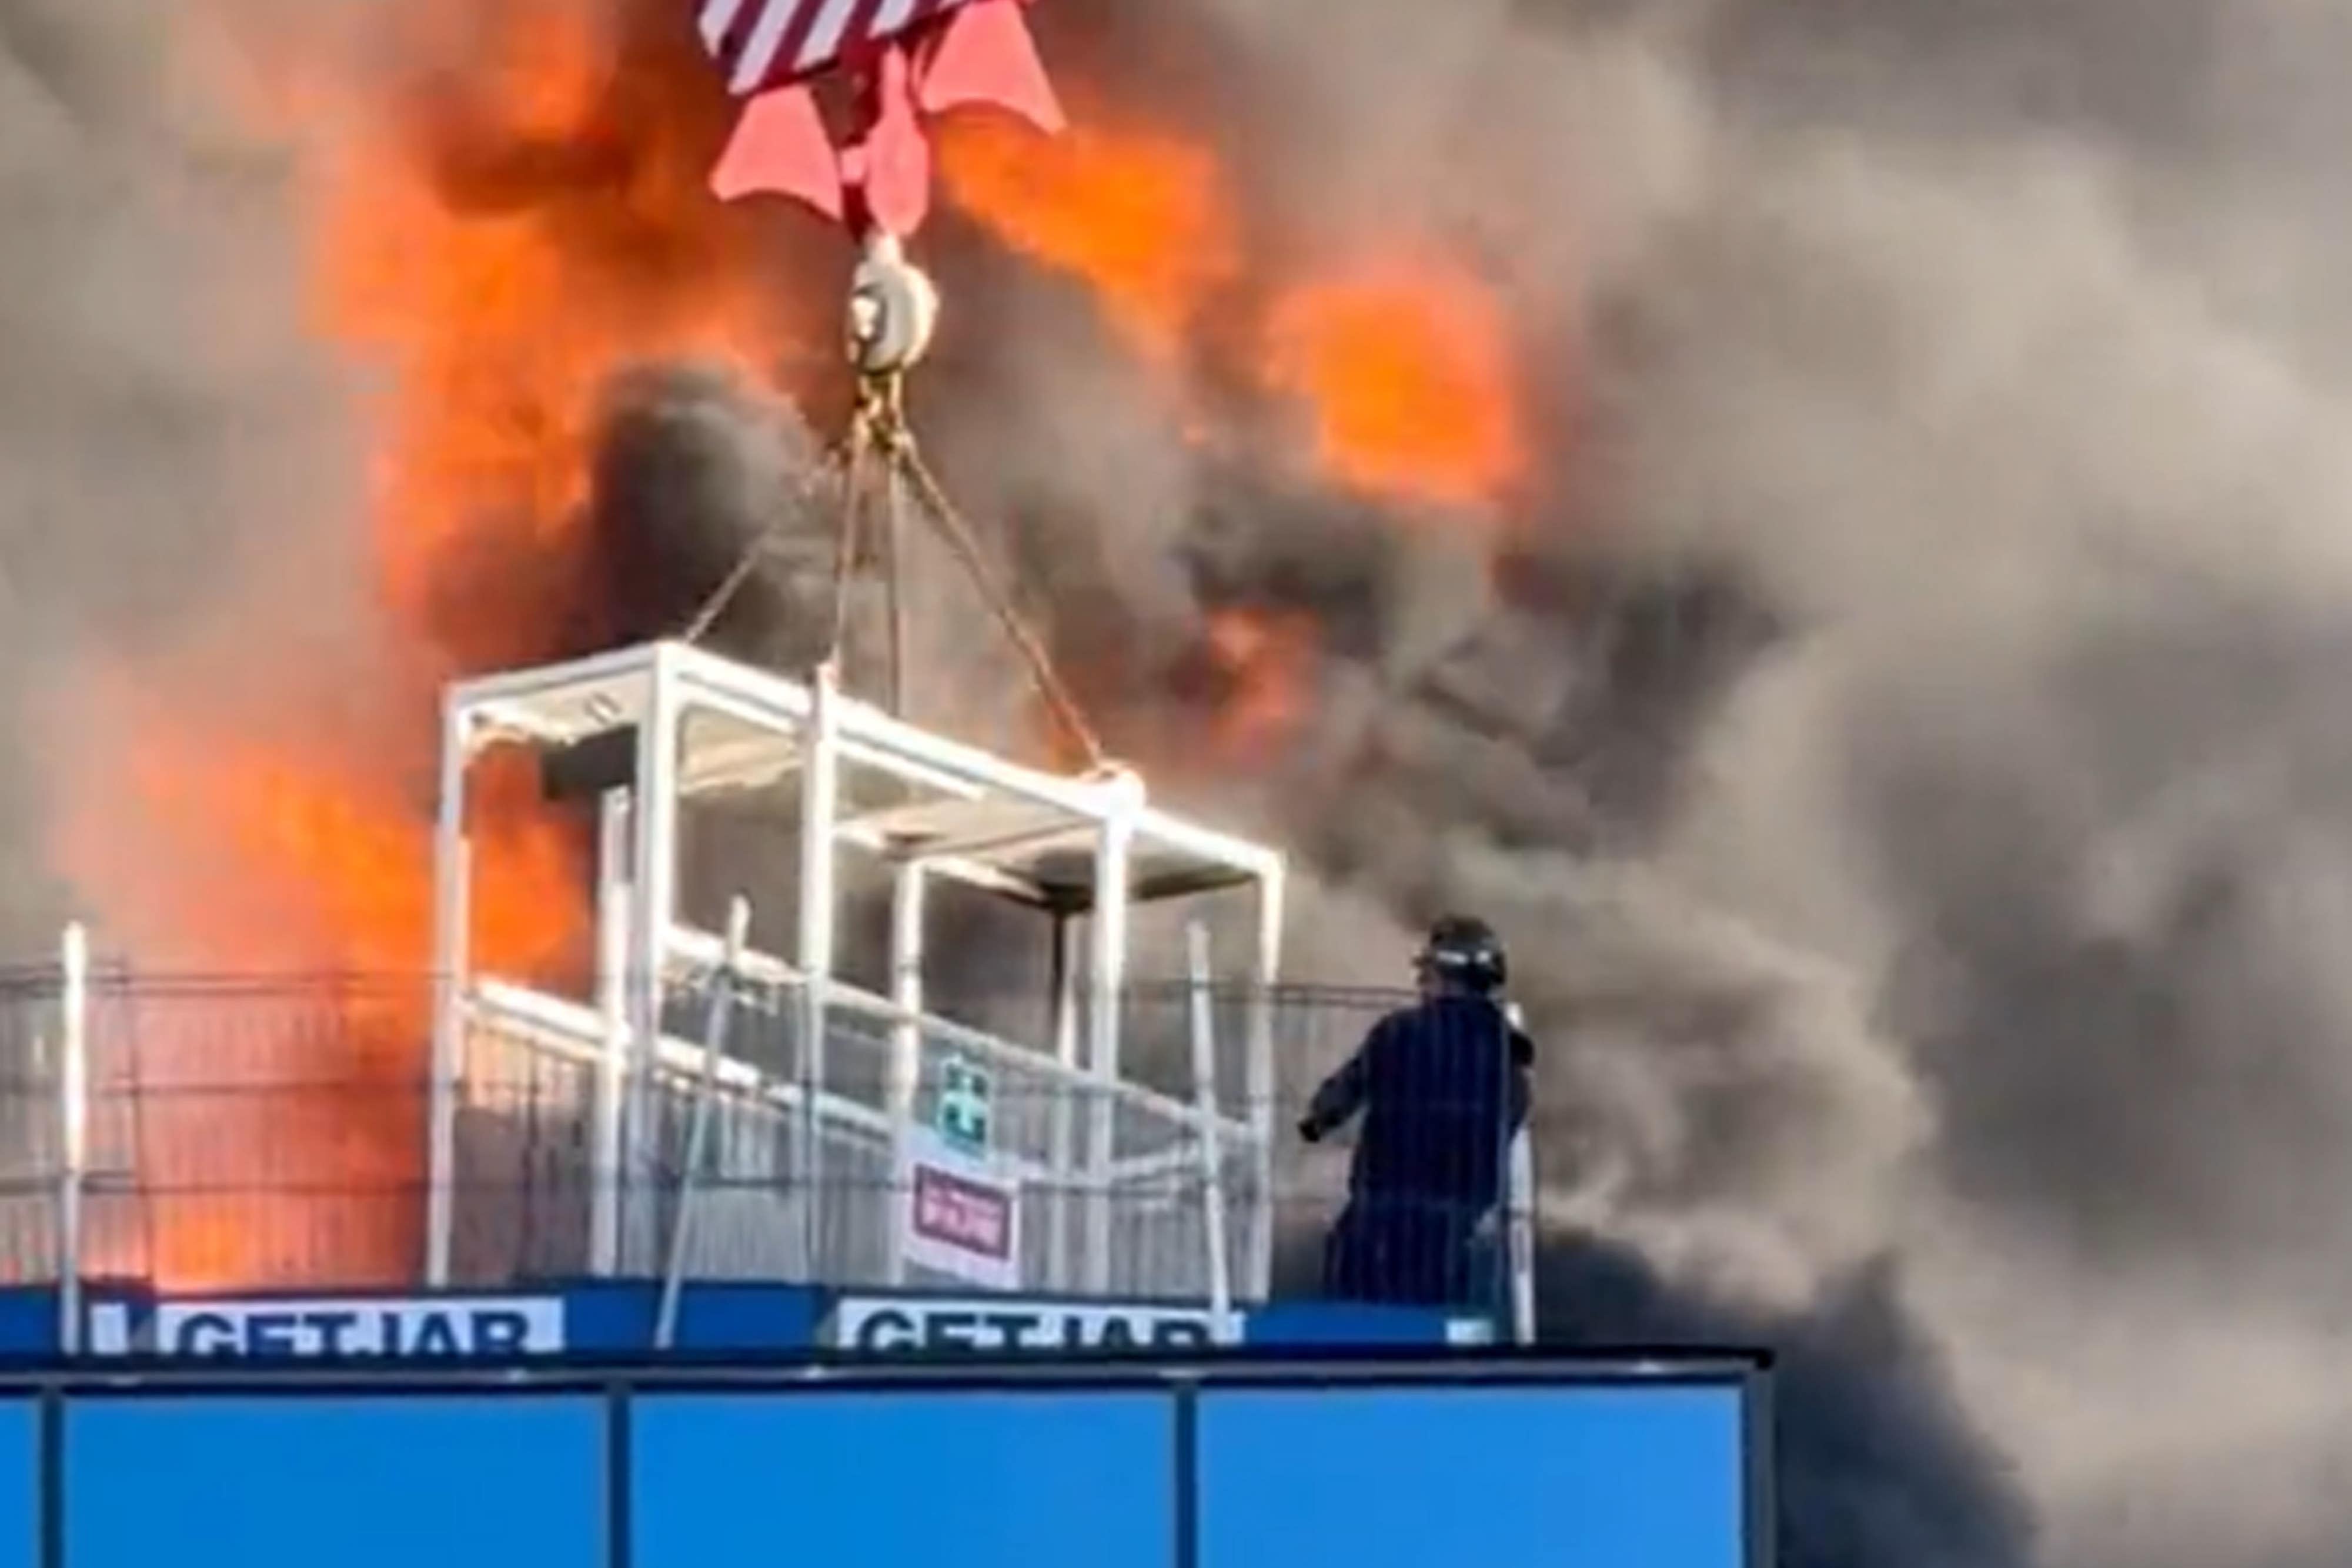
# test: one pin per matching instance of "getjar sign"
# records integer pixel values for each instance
(488, 1328)
(921, 1326)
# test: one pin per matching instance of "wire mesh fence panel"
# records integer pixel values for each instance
(525, 1172)
(855, 1172)
(31, 1141)
(274, 1133)
(1102, 1182)
(856, 1234)
(1061, 1235)
(1108, 1172)
(256, 1133)
(746, 1221)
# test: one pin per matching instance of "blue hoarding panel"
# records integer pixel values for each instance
(617, 1315)
(930, 1479)
(1330, 1326)
(28, 1321)
(295, 1480)
(20, 1488)
(1439, 1478)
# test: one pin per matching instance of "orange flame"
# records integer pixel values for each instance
(495, 248)
(1407, 372)
(1403, 364)
(280, 1134)
(1141, 216)
(503, 251)
(1261, 659)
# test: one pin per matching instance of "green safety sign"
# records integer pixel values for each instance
(965, 1092)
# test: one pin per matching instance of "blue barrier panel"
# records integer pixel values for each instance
(28, 1321)
(295, 1479)
(1330, 1326)
(617, 1316)
(20, 1487)
(604, 1317)
(1604, 1477)
(985, 1479)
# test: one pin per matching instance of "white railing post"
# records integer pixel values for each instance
(453, 871)
(697, 1130)
(612, 928)
(820, 800)
(1260, 1084)
(1211, 1132)
(73, 1126)
(1061, 1159)
(653, 897)
(1106, 980)
(1522, 1237)
(1518, 1230)
(906, 1037)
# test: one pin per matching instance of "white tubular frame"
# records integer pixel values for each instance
(652, 880)
(1106, 998)
(820, 802)
(1520, 1237)
(453, 879)
(767, 728)
(614, 883)
(1518, 1218)
(1065, 1121)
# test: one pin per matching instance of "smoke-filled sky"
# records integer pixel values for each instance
(1997, 350)
(1896, 736)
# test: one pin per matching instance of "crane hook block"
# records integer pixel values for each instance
(893, 309)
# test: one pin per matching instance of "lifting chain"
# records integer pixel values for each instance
(892, 315)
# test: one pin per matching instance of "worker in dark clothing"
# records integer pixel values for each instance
(1443, 1088)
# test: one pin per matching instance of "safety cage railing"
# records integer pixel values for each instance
(1120, 1188)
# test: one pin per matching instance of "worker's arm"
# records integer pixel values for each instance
(1341, 1095)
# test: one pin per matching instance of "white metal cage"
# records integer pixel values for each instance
(809, 1133)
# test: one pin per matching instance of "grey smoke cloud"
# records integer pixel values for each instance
(1976, 912)
(1994, 348)
(164, 427)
